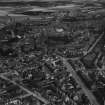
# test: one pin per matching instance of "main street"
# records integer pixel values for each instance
(87, 92)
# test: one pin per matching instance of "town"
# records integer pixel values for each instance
(57, 59)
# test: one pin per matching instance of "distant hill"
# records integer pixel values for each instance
(19, 3)
(30, 0)
(43, 3)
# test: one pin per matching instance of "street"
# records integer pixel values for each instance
(87, 92)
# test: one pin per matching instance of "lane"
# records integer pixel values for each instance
(87, 92)
(93, 45)
(34, 94)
